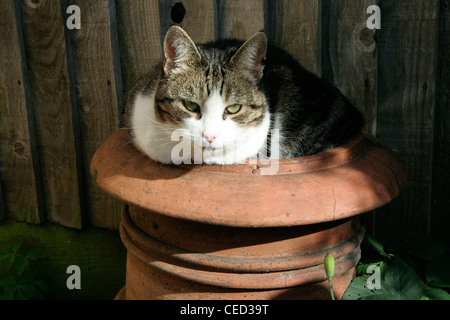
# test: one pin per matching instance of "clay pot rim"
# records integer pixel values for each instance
(354, 178)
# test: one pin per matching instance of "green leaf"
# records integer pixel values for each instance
(21, 295)
(358, 290)
(8, 283)
(21, 265)
(378, 246)
(436, 294)
(364, 265)
(381, 296)
(31, 291)
(9, 286)
(14, 247)
(9, 295)
(34, 255)
(40, 284)
(26, 278)
(402, 282)
(9, 260)
(438, 271)
(4, 255)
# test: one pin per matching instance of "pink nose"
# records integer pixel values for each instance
(209, 138)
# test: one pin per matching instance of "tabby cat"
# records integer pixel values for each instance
(227, 101)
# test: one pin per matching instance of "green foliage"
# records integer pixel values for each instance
(416, 268)
(19, 283)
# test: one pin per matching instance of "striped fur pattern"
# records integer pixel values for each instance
(222, 100)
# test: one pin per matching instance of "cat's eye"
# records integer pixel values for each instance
(191, 106)
(235, 108)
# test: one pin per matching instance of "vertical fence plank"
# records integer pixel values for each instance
(99, 91)
(198, 20)
(440, 219)
(22, 193)
(239, 19)
(294, 26)
(406, 88)
(349, 59)
(139, 37)
(43, 25)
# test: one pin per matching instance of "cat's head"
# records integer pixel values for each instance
(213, 93)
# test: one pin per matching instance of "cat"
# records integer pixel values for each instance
(228, 100)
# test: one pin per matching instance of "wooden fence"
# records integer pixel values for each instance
(61, 90)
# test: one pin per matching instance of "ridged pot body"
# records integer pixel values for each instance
(169, 258)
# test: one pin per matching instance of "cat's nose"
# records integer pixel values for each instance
(209, 138)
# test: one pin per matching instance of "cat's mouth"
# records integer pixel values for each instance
(211, 148)
(207, 147)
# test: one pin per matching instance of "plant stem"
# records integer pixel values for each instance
(331, 290)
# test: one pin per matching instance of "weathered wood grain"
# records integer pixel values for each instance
(140, 38)
(239, 19)
(22, 192)
(43, 27)
(294, 26)
(99, 93)
(405, 95)
(349, 54)
(440, 214)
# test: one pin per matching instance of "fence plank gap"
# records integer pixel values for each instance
(440, 218)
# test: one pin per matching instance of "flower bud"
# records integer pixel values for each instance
(329, 266)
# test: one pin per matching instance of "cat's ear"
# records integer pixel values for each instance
(251, 54)
(179, 51)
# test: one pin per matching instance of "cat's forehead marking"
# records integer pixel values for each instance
(214, 103)
(214, 78)
(213, 55)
